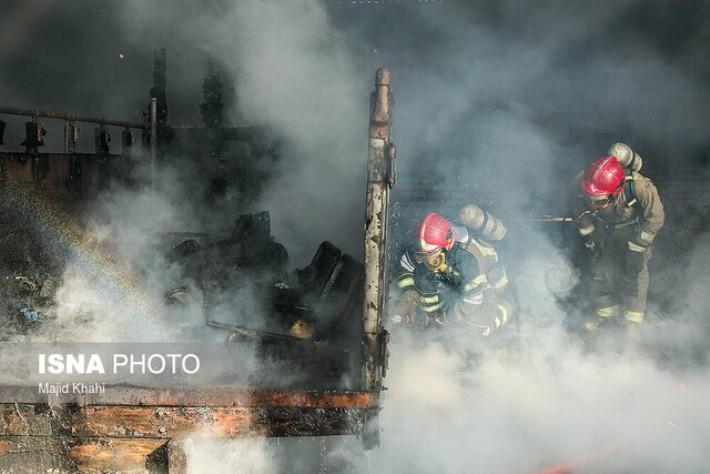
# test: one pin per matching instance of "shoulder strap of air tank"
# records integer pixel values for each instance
(471, 247)
(630, 188)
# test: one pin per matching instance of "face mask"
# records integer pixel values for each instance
(435, 262)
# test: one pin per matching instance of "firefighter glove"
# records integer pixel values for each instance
(591, 243)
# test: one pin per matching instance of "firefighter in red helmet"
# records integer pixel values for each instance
(451, 274)
(618, 214)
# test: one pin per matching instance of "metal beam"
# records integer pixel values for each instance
(71, 117)
(378, 188)
(153, 137)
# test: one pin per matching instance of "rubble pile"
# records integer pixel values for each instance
(30, 272)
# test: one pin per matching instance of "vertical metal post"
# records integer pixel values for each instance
(67, 134)
(374, 337)
(71, 136)
(126, 142)
(159, 92)
(153, 137)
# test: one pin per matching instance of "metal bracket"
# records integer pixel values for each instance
(390, 164)
(384, 361)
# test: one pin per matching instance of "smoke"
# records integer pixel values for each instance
(292, 71)
(242, 456)
(291, 74)
(502, 106)
(245, 456)
(544, 403)
(119, 280)
(537, 397)
(584, 76)
(496, 103)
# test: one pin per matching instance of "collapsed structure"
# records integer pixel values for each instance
(326, 319)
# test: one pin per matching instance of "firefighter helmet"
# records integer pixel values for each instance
(604, 176)
(434, 233)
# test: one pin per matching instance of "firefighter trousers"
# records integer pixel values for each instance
(620, 289)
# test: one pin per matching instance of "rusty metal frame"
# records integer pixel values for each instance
(71, 117)
(127, 427)
(378, 188)
(130, 429)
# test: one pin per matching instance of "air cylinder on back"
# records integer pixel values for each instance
(626, 156)
(482, 223)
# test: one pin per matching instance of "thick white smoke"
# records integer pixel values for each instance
(542, 404)
(243, 456)
(294, 72)
(540, 397)
(497, 97)
(510, 93)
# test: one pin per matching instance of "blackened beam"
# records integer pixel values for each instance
(22, 156)
(109, 438)
(165, 422)
(71, 117)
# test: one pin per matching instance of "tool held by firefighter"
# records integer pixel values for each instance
(450, 275)
(619, 213)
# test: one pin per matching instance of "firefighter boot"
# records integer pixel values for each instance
(605, 311)
(593, 324)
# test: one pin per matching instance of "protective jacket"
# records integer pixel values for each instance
(638, 205)
(469, 288)
(621, 237)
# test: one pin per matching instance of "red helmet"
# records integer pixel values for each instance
(434, 233)
(604, 176)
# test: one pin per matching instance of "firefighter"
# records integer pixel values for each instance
(618, 214)
(451, 275)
